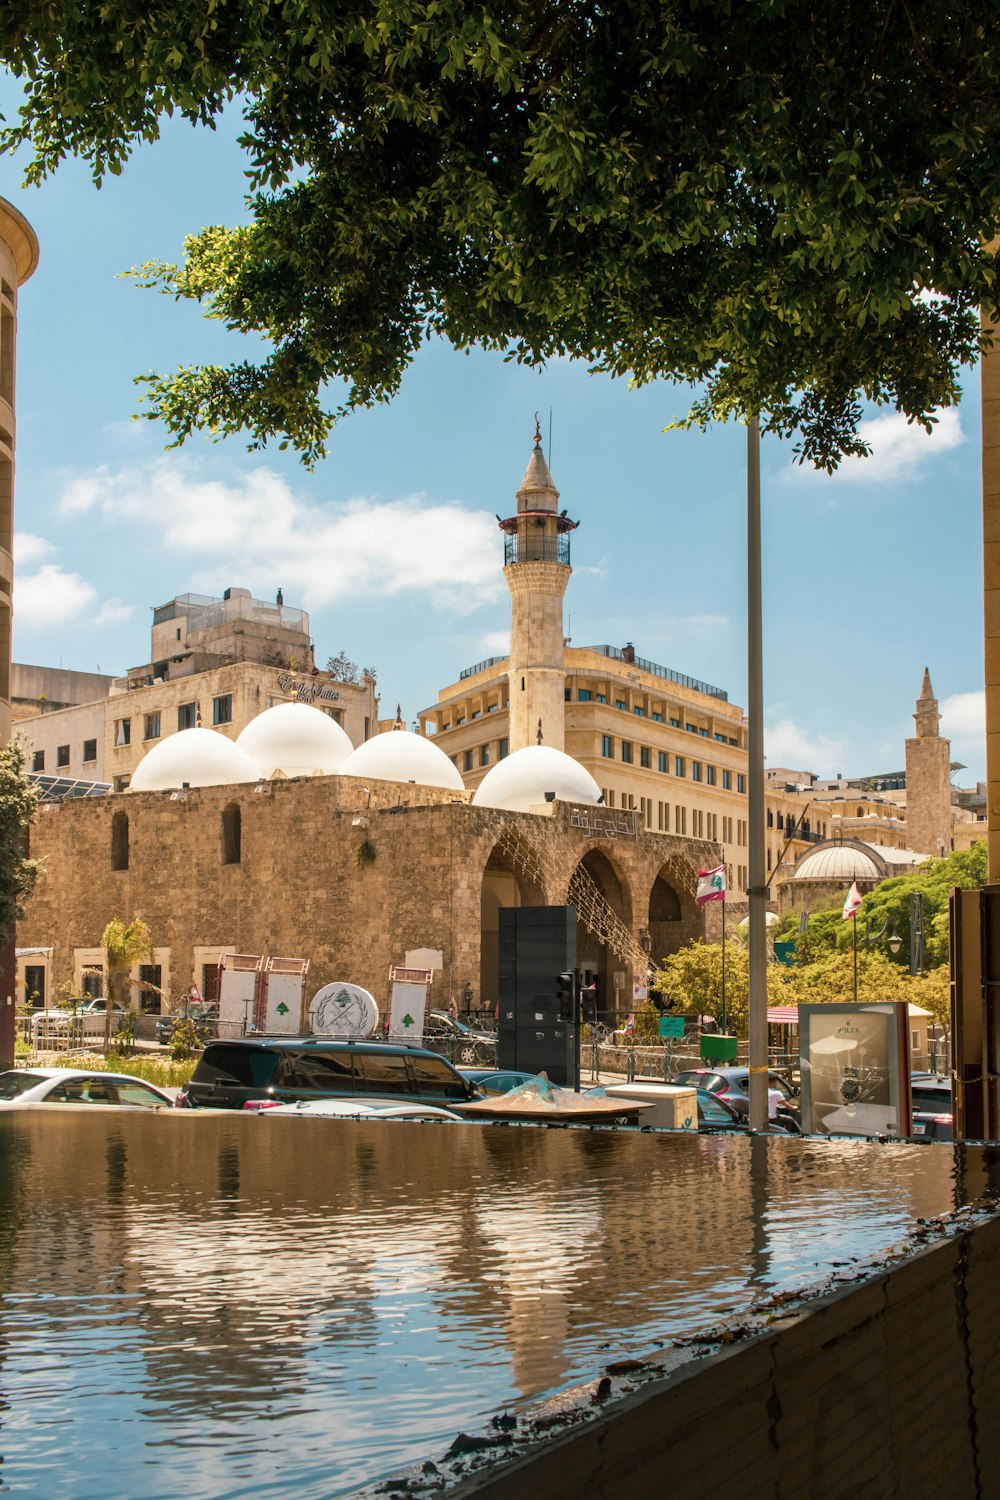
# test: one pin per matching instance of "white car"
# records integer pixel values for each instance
(23, 1087)
(86, 1021)
(356, 1109)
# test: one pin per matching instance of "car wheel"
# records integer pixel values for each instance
(465, 1053)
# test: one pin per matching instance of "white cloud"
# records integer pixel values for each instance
(788, 744)
(50, 597)
(495, 643)
(899, 450)
(30, 549)
(113, 611)
(963, 718)
(256, 528)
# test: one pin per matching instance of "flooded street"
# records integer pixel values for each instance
(215, 1306)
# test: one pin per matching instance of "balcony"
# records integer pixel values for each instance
(538, 548)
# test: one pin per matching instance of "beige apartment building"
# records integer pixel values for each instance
(214, 663)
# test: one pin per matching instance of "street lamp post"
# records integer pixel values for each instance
(757, 891)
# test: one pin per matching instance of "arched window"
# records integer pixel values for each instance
(231, 834)
(861, 812)
(119, 841)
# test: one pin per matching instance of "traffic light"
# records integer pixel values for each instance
(566, 995)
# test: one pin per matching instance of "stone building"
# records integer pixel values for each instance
(350, 871)
(217, 662)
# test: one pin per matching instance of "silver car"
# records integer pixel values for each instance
(24, 1087)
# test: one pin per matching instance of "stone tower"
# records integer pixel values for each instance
(537, 569)
(18, 258)
(928, 779)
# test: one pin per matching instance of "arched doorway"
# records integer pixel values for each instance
(504, 884)
(666, 924)
(595, 960)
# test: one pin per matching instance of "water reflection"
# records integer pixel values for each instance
(236, 1306)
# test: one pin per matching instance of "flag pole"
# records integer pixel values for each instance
(725, 1027)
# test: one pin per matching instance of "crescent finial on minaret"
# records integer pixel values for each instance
(538, 432)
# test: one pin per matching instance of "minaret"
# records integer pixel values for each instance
(536, 566)
(928, 779)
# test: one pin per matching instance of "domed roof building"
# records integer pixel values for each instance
(295, 739)
(533, 776)
(399, 755)
(826, 872)
(193, 757)
(840, 862)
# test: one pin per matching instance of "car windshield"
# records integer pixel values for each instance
(14, 1084)
(712, 1111)
(695, 1078)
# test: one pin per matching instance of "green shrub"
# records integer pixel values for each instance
(184, 1040)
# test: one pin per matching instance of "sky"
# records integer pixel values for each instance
(391, 543)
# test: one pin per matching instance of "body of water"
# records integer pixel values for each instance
(216, 1307)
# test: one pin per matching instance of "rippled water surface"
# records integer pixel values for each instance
(213, 1306)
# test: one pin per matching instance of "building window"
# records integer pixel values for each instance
(222, 709)
(123, 732)
(627, 752)
(661, 760)
(770, 818)
(696, 770)
(121, 783)
(741, 783)
(645, 757)
(92, 983)
(232, 835)
(710, 775)
(89, 751)
(619, 703)
(186, 716)
(584, 695)
(720, 737)
(478, 714)
(459, 721)
(62, 756)
(727, 781)
(781, 820)
(467, 759)
(610, 797)
(150, 989)
(679, 767)
(491, 708)
(503, 749)
(119, 841)
(607, 746)
(639, 711)
(657, 718)
(601, 697)
(680, 820)
(691, 728)
(484, 755)
(38, 761)
(675, 723)
(151, 727)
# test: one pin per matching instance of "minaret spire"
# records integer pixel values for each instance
(926, 716)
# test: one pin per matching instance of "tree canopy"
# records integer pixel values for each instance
(787, 203)
(18, 804)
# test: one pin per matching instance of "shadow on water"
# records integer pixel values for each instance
(237, 1306)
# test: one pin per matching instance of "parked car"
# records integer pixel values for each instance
(85, 1019)
(204, 1019)
(933, 1117)
(356, 1109)
(286, 1069)
(733, 1085)
(491, 1081)
(27, 1086)
(461, 1043)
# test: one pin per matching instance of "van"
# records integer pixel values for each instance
(230, 1074)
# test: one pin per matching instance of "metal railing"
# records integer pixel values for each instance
(615, 653)
(526, 547)
(481, 666)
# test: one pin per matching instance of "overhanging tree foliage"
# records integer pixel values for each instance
(18, 873)
(784, 201)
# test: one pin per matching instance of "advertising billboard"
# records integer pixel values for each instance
(855, 1068)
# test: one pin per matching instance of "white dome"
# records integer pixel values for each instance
(837, 862)
(398, 755)
(521, 780)
(200, 757)
(295, 739)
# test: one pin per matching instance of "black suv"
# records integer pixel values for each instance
(204, 1019)
(283, 1070)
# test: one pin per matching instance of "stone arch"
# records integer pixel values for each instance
(119, 841)
(595, 959)
(666, 918)
(507, 881)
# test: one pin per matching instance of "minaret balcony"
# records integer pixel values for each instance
(536, 548)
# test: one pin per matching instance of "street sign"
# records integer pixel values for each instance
(672, 1026)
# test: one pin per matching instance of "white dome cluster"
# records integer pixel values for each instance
(290, 739)
(522, 780)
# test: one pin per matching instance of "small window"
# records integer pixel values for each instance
(770, 818)
(150, 989)
(121, 783)
(584, 695)
(639, 711)
(661, 760)
(607, 746)
(696, 770)
(186, 716)
(727, 781)
(478, 714)
(691, 728)
(151, 727)
(600, 697)
(503, 749)
(222, 709)
(232, 835)
(123, 732)
(741, 783)
(92, 984)
(710, 775)
(620, 703)
(645, 757)
(657, 718)
(119, 841)
(38, 761)
(62, 755)
(484, 755)
(675, 723)
(89, 751)
(467, 760)
(627, 752)
(679, 767)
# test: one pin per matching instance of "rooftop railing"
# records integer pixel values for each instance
(615, 653)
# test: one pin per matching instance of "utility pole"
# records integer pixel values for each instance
(755, 787)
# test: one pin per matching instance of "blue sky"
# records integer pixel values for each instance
(391, 544)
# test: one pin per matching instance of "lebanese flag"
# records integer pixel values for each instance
(853, 903)
(711, 885)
